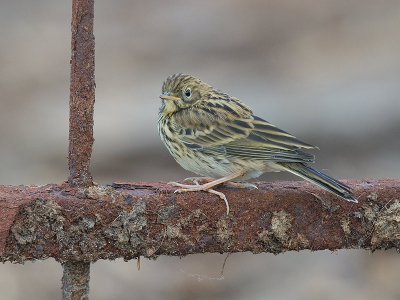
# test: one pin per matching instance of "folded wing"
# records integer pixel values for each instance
(240, 135)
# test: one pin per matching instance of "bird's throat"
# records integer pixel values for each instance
(169, 107)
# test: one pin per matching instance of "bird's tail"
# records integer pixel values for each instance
(322, 180)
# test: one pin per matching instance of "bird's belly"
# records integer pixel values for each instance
(217, 166)
(206, 165)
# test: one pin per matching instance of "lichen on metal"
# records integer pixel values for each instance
(128, 220)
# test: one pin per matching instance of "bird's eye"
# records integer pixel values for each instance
(188, 92)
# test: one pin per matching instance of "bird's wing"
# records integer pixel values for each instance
(267, 142)
(250, 137)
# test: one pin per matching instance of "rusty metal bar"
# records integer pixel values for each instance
(128, 220)
(82, 87)
(75, 281)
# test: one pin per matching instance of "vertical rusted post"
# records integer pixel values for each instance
(75, 281)
(81, 100)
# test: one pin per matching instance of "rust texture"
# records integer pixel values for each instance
(75, 280)
(82, 93)
(128, 220)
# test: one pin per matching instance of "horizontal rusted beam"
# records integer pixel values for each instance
(128, 220)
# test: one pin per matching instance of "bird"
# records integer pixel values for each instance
(215, 135)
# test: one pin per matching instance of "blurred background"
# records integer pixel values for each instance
(326, 71)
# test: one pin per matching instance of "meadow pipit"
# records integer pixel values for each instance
(215, 135)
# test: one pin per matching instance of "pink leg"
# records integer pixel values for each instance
(207, 187)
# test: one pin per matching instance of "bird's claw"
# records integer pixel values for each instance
(251, 186)
(223, 197)
(211, 191)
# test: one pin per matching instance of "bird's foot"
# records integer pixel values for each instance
(241, 185)
(199, 180)
(206, 187)
(184, 186)
(231, 184)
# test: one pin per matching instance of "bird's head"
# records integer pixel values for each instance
(180, 91)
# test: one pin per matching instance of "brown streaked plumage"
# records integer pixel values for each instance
(215, 135)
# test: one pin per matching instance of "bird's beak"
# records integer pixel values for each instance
(166, 96)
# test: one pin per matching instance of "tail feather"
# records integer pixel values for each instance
(322, 180)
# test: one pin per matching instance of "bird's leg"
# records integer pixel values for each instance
(207, 187)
